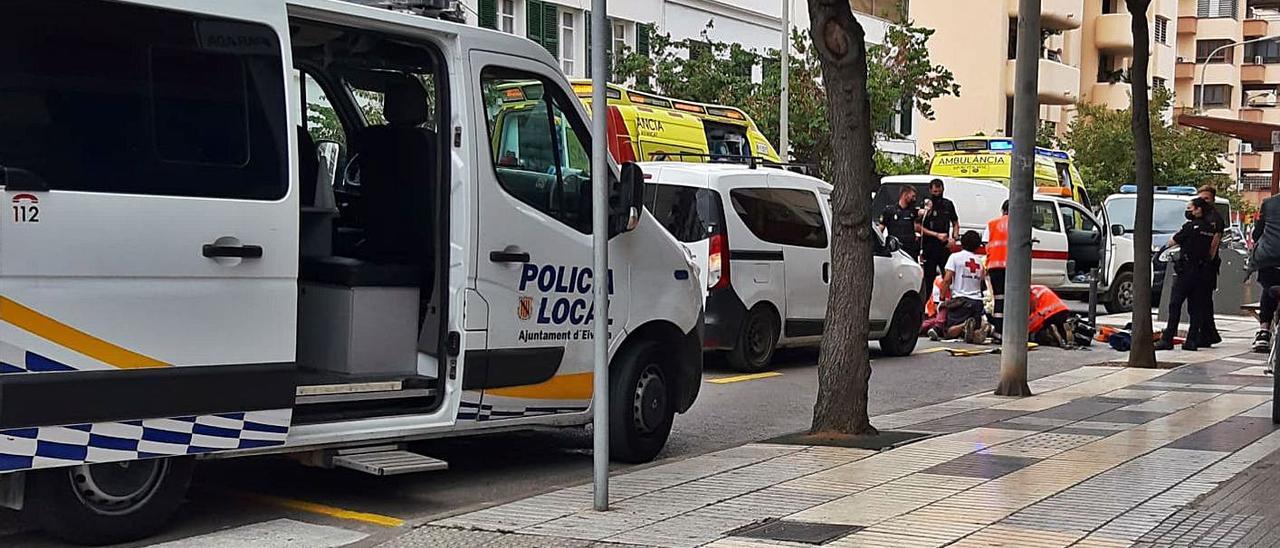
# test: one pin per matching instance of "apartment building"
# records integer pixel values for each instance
(562, 27)
(1086, 55)
(1229, 67)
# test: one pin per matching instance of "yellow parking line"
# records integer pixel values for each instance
(322, 509)
(930, 350)
(740, 378)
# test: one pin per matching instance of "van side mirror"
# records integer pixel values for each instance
(624, 202)
(1117, 230)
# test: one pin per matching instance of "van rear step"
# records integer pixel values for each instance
(386, 460)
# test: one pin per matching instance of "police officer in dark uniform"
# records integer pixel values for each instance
(902, 221)
(939, 230)
(1194, 269)
(1209, 329)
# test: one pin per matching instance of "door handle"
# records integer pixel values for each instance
(826, 273)
(216, 251)
(509, 257)
(1035, 240)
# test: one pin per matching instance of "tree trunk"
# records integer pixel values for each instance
(844, 366)
(1142, 352)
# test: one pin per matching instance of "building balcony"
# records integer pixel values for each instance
(1113, 33)
(1116, 96)
(1253, 74)
(1059, 84)
(1056, 14)
(1187, 25)
(1254, 28)
(1251, 115)
(1250, 162)
(1184, 70)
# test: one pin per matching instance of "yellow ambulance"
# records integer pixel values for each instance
(662, 128)
(991, 158)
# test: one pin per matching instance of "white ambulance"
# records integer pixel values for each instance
(254, 226)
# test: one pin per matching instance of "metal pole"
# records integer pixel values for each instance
(1026, 114)
(1093, 295)
(784, 137)
(600, 251)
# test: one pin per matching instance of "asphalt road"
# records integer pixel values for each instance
(492, 469)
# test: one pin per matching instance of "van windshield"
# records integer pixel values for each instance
(1166, 218)
(689, 214)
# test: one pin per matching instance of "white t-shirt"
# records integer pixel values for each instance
(969, 270)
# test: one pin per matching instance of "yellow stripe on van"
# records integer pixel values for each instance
(573, 386)
(64, 335)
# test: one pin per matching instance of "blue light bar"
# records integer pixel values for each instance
(1001, 145)
(1129, 189)
(1180, 190)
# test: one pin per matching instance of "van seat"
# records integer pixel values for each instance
(349, 272)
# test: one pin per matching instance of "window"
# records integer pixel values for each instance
(689, 214)
(1218, 8)
(116, 100)
(1214, 95)
(1266, 51)
(1207, 48)
(1043, 217)
(567, 43)
(781, 216)
(539, 147)
(1075, 219)
(619, 37)
(1162, 30)
(319, 116)
(1159, 83)
(699, 49)
(507, 16)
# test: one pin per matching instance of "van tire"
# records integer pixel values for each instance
(108, 503)
(753, 351)
(642, 403)
(1121, 298)
(904, 328)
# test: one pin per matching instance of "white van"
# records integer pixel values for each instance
(1067, 241)
(259, 226)
(761, 236)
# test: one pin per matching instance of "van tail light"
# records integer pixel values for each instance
(718, 262)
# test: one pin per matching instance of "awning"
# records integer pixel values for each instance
(1260, 135)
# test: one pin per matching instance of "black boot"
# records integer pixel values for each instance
(1164, 344)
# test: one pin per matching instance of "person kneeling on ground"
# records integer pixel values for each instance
(962, 280)
(1051, 322)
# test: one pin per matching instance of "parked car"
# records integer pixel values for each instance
(761, 237)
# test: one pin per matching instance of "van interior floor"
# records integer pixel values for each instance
(324, 396)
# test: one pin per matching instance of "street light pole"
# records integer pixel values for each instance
(784, 136)
(600, 252)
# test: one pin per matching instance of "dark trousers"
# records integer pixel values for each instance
(1209, 326)
(935, 264)
(997, 290)
(1268, 278)
(1189, 288)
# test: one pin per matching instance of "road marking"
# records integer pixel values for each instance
(740, 378)
(929, 350)
(277, 533)
(322, 509)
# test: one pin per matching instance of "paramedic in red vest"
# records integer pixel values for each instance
(1047, 311)
(997, 238)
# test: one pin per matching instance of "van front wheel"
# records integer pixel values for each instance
(108, 503)
(641, 406)
(904, 328)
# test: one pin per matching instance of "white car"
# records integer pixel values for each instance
(1067, 240)
(761, 238)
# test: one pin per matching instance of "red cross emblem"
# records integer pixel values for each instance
(972, 265)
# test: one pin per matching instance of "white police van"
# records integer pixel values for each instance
(761, 236)
(258, 226)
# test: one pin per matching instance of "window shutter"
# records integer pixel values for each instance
(1202, 9)
(642, 48)
(906, 112)
(587, 37)
(488, 14)
(551, 29)
(608, 50)
(533, 20)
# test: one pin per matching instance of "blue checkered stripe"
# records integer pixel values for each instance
(471, 411)
(52, 446)
(18, 360)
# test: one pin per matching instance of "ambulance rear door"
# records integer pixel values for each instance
(149, 251)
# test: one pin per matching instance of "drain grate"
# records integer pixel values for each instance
(888, 439)
(795, 531)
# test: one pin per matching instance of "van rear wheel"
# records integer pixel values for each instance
(641, 406)
(757, 341)
(904, 328)
(108, 503)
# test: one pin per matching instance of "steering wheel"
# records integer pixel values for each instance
(351, 174)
